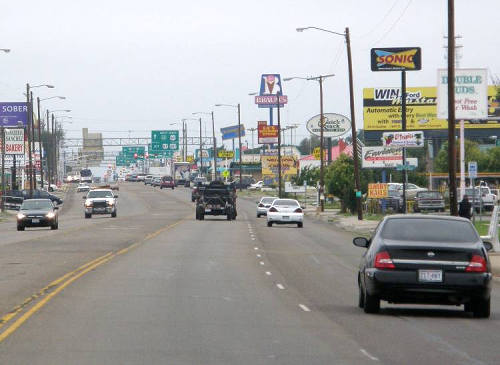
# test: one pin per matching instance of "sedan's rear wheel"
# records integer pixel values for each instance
(361, 297)
(88, 215)
(371, 303)
(481, 308)
(269, 224)
(20, 228)
(300, 225)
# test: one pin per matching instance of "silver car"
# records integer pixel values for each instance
(264, 204)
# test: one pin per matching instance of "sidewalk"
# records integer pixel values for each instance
(346, 222)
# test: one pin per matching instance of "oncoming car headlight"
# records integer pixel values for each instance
(50, 215)
(88, 204)
(20, 216)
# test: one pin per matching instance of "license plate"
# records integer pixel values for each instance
(286, 217)
(208, 210)
(430, 276)
(100, 209)
(35, 221)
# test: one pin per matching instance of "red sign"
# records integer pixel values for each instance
(268, 134)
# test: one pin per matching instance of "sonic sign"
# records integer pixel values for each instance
(396, 59)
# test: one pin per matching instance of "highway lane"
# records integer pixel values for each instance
(218, 292)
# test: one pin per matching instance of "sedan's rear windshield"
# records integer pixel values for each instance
(431, 230)
(286, 202)
(267, 200)
(37, 205)
(100, 194)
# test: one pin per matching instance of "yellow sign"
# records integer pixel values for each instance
(225, 173)
(189, 158)
(270, 165)
(377, 191)
(225, 154)
(382, 109)
(316, 154)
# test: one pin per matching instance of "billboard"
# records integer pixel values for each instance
(14, 141)
(232, 132)
(270, 89)
(396, 59)
(403, 139)
(471, 88)
(381, 157)
(335, 125)
(382, 109)
(14, 114)
(378, 191)
(268, 134)
(270, 165)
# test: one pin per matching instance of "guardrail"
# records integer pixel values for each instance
(493, 231)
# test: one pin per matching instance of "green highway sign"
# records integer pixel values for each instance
(162, 141)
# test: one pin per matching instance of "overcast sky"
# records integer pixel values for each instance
(141, 65)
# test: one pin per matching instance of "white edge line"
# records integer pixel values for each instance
(304, 308)
(368, 355)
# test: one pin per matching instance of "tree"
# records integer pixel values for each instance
(308, 174)
(339, 181)
(307, 145)
(472, 153)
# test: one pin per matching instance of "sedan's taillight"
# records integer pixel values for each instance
(383, 261)
(261, 205)
(298, 210)
(273, 209)
(477, 264)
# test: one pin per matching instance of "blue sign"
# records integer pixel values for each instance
(270, 90)
(14, 114)
(232, 132)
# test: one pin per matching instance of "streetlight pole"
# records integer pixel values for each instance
(201, 152)
(320, 80)
(214, 173)
(354, 137)
(2, 130)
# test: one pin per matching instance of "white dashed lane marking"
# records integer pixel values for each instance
(304, 308)
(268, 273)
(368, 355)
(280, 286)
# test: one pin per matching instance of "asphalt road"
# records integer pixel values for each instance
(163, 288)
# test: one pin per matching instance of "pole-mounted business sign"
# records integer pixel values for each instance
(14, 114)
(396, 59)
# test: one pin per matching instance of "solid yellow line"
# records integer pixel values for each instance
(82, 270)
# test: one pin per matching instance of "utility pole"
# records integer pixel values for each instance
(33, 139)
(279, 146)
(353, 127)
(201, 152)
(40, 141)
(321, 149)
(451, 109)
(215, 148)
(30, 163)
(252, 130)
(239, 142)
(2, 203)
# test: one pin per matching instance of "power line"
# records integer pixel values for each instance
(395, 23)
(380, 22)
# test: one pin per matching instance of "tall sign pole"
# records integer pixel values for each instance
(201, 152)
(40, 140)
(239, 143)
(2, 203)
(279, 148)
(403, 127)
(398, 59)
(451, 109)
(28, 126)
(33, 141)
(321, 148)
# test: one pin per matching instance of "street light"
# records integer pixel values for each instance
(2, 203)
(353, 119)
(40, 133)
(239, 135)
(214, 175)
(322, 125)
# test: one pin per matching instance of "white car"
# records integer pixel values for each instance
(264, 204)
(82, 188)
(285, 211)
(256, 186)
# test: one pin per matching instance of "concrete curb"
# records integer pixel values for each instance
(495, 264)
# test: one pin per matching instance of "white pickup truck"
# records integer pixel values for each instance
(488, 199)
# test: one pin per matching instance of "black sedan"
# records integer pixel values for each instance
(37, 213)
(425, 260)
(41, 194)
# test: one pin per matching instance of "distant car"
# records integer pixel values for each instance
(195, 192)
(425, 259)
(167, 182)
(411, 190)
(141, 177)
(156, 181)
(264, 204)
(13, 199)
(37, 213)
(41, 194)
(428, 200)
(115, 186)
(148, 179)
(258, 185)
(100, 201)
(82, 188)
(285, 211)
(393, 201)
